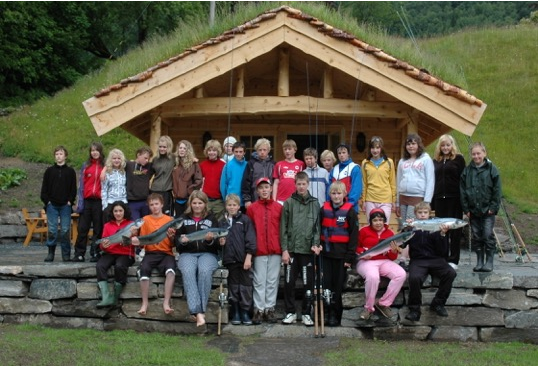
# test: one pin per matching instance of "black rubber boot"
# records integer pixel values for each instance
(50, 256)
(245, 318)
(333, 320)
(488, 266)
(234, 311)
(479, 260)
(94, 252)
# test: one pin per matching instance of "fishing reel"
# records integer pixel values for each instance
(222, 299)
(327, 296)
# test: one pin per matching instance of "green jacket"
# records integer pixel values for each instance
(480, 189)
(299, 224)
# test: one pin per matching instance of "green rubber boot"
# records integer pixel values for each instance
(106, 296)
(118, 287)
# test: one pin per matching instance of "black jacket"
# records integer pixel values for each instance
(198, 246)
(427, 245)
(241, 239)
(59, 185)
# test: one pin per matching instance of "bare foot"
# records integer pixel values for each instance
(143, 310)
(200, 319)
(167, 309)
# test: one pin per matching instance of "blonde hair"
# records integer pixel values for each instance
(328, 154)
(338, 186)
(261, 142)
(188, 160)
(289, 143)
(108, 163)
(213, 144)
(438, 155)
(232, 197)
(423, 206)
(169, 144)
(202, 197)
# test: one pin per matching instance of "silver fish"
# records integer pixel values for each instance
(118, 236)
(435, 223)
(158, 235)
(384, 245)
(200, 235)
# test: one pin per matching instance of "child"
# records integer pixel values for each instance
(349, 173)
(232, 173)
(372, 268)
(139, 173)
(186, 176)
(58, 192)
(427, 252)
(89, 204)
(328, 160)
(113, 185)
(480, 188)
(265, 214)
(299, 237)
(339, 240)
(211, 169)
(260, 165)
(163, 166)
(238, 248)
(158, 256)
(319, 177)
(114, 254)
(284, 173)
(378, 179)
(228, 144)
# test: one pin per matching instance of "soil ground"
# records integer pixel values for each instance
(27, 195)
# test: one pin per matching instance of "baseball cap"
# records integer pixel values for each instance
(263, 180)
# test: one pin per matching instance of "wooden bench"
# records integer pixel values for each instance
(35, 225)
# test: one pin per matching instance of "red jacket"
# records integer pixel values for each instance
(112, 228)
(265, 214)
(369, 238)
(91, 180)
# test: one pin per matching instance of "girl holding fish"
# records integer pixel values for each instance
(381, 265)
(198, 258)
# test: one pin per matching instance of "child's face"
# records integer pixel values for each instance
(59, 157)
(337, 197)
(264, 191)
(163, 149)
(302, 186)
(156, 207)
(446, 147)
(423, 214)
(228, 149)
(412, 148)
(142, 159)
(212, 154)
(197, 207)
(376, 151)
(232, 208)
(478, 155)
(343, 155)
(182, 150)
(116, 161)
(239, 153)
(289, 153)
(310, 161)
(94, 153)
(327, 163)
(378, 223)
(119, 213)
(263, 152)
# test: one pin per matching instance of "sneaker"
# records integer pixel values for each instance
(386, 311)
(78, 258)
(257, 318)
(365, 315)
(439, 310)
(290, 318)
(307, 320)
(270, 315)
(414, 316)
(453, 265)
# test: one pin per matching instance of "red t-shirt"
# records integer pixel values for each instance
(285, 172)
(211, 172)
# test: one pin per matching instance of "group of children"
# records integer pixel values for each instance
(300, 215)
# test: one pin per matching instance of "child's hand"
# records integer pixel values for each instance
(444, 228)
(209, 236)
(184, 239)
(316, 249)
(171, 232)
(285, 257)
(222, 240)
(135, 241)
(248, 264)
(394, 247)
(105, 243)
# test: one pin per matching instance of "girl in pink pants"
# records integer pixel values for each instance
(373, 268)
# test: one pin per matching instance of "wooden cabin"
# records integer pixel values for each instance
(285, 75)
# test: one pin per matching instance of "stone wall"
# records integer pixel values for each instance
(12, 227)
(497, 306)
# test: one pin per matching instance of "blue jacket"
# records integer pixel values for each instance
(232, 177)
(352, 179)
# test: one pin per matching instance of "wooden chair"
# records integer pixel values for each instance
(35, 225)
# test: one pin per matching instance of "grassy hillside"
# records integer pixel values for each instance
(496, 65)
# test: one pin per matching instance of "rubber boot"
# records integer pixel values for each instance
(106, 296)
(488, 266)
(118, 287)
(479, 260)
(245, 318)
(333, 320)
(234, 310)
(94, 255)
(50, 256)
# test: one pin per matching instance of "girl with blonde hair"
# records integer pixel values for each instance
(186, 176)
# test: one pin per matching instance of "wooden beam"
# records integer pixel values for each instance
(298, 105)
(199, 92)
(328, 82)
(283, 72)
(240, 82)
(155, 134)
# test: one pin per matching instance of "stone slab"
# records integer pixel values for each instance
(481, 280)
(453, 334)
(458, 297)
(141, 325)
(13, 288)
(509, 299)
(457, 316)
(60, 270)
(11, 270)
(81, 308)
(181, 312)
(53, 288)
(419, 333)
(13, 231)
(50, 320)
(533, 293)
(10, 305)
(508, 335)
(522, 320)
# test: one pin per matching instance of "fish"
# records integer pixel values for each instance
(384, 245)
(158, 235)
(120, 234)
(200, 235)
(434, 224)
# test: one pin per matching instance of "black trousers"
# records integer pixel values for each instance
(303, 266)
(451, 207)
(419, 270)
(334, 276)
(240, 285)
(92, 215)
(121, 265)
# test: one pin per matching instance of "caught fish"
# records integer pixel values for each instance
(384, 245)
(120, 234)
(158, 235)
(435, 223)
(200, 235)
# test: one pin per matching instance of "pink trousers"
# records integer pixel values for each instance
(372, 271)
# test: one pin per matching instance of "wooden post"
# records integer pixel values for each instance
(284, 73)
(154, 135)
(240, 82)
(328, 82)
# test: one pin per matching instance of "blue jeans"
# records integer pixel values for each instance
(482, 233)
(63, 238)
(197, 272)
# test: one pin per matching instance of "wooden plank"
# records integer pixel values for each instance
(283, 72)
